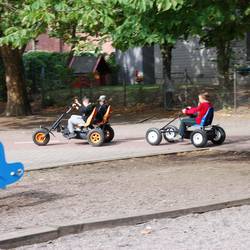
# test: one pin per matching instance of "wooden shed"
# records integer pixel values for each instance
(90, 71)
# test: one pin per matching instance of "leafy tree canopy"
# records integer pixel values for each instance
(25, 20)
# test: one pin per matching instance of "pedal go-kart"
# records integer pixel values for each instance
(95, 134)
(198, 134)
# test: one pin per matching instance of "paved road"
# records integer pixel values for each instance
(129, 142)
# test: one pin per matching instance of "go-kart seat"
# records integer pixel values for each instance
(207, 119)
(106, 116)
(90, 119)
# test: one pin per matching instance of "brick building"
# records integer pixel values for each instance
(45, 43)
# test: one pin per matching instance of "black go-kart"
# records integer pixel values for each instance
(198, 134)
(95, 134)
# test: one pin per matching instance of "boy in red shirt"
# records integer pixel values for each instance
(200, 110)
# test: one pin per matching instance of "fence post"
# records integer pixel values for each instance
(235, 90)
(42, 85)
(125, 86)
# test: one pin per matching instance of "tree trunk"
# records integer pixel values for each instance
(166, 52)
(17, 101)
(3, 91)
(73, 44)
(223, 62)
(224, 53)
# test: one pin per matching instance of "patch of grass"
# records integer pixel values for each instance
(134, 94)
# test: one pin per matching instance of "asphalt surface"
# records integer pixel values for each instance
(129, 141)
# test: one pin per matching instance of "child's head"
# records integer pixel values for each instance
(85, 101)
(204, 97)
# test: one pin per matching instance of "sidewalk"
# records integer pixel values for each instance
(225, 229)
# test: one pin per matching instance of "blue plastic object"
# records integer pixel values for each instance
(9, 172)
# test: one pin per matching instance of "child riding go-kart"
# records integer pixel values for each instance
(95, 133)
(198, 129)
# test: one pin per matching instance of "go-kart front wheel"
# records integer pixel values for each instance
(170, 133)
(95, 137)
(41, 137)
(199, 138)
(219, 135)
(108, 133)
(153, 136)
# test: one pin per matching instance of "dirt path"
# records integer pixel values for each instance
(124, 188)
(136, 114)
(120, 115)
(225, 229)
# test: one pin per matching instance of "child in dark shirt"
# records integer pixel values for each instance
(101, 108)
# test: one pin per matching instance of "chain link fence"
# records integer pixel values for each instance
(241, 89)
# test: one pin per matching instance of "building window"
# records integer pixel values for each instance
(248, 46)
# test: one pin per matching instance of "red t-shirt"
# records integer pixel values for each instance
(201, 110)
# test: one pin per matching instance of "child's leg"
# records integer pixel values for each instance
(74, 120)
(184, 124)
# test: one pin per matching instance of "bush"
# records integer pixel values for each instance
(46, 71)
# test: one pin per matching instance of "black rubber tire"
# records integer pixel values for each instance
(220, 135)
(95, 137)
(153, 136)
(39, 133)
(174, 132)
(109, 133)
(199, 138)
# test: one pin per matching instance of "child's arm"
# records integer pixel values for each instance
(193, 110)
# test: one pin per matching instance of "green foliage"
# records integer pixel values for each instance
(45, 70)
(217, 25)
(16, 27)
(140, 23)
(128, 23)
(112, 62)
(221, 21)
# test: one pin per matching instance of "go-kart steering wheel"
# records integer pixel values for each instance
(75, 104)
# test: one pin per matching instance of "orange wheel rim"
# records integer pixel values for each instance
(95, 137)
(40, 137)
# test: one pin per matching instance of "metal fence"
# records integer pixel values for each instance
(236, 96)
(241, 90)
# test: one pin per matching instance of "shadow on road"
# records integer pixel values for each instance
(27, 199)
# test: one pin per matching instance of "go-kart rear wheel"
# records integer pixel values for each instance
(153, 136)
(199, 138)
(95, 137)
(41, 137)
(170, 133)
(219, 135)
(108, 133)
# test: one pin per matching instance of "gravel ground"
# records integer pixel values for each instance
(124, 188)
(227, 229)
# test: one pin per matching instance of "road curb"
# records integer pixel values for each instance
(73, 164)
(43, 234)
